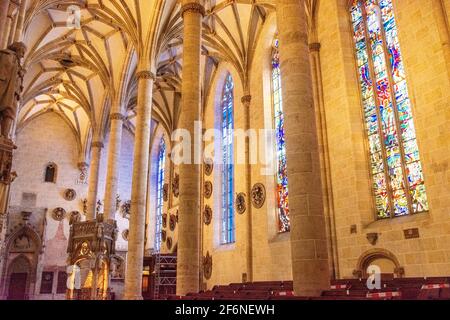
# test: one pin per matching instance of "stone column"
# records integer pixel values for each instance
(6, 31)
(308, 236)
(4, 5)
(12, 29)
(112, 176)
(136, 238)
(189, 209)
(442, 22)
(327, 190)
(20, 21)
(96, 151)
(246, 100)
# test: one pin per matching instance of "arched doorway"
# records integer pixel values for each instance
(386, 261)
(19, 278)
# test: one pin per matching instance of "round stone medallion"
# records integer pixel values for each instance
(258, 195)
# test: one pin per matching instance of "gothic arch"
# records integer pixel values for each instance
(27, 230)
(20, 264)
(30, 258)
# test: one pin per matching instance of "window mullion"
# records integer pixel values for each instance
(396, 116)
(379, 116)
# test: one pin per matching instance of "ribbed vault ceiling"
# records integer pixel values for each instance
(81, 73)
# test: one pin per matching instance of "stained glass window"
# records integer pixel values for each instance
(159, 193)
(282, 179)
(227, 162)
(398, 181)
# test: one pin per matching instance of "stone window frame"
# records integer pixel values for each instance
(272, 105)
(55, 175)
(349, 4)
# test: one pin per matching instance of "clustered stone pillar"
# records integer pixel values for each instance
(246, 101)
(112, 176)
(308, 235)
(96, 151)
(12, 26)
(4, 5)
(136, 238)
(189, 208)
(7, 28)
(20, 21)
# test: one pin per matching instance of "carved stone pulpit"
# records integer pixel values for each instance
(91, 252)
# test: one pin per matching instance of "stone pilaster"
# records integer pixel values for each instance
(189, 208)
(6, 30)
(20, 21)
(444, 30)
(327, 190)
(112, 175)
(308, 235)
(4, 5)
(136, 238)
(246, 101)
(96, 151)
(12, 29)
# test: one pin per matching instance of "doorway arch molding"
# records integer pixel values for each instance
(377, 253)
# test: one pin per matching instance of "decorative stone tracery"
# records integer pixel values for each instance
(91, 249)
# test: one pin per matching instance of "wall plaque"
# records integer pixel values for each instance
(411, 233)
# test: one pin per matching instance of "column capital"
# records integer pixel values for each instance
(246, 99)
(82, 165)
(193, 7)
(117, 116)
(314, 47)
(97, 144)
(145, 74)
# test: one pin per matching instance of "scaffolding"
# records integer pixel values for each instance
(165, 275)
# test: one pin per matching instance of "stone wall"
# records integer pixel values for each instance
(353, 205)
(48, 139)
(429, 90)
(270, 252)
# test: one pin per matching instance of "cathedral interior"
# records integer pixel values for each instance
(224, 149)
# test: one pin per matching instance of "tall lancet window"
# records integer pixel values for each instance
(398, 181)
(282, 179)
(227, 162)
(159, 193)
